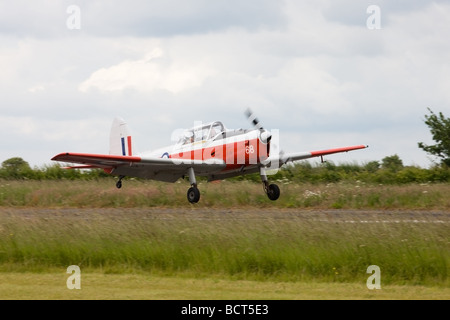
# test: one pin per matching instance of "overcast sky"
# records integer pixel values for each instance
(325, 73)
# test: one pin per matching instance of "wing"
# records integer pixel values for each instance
(162, 169)
(283, 158)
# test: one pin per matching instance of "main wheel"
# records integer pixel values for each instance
(193, 195)
(273, 192)
(119, 184)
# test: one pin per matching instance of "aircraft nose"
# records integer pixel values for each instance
(265, 136)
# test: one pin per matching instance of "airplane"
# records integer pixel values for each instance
(209, 150)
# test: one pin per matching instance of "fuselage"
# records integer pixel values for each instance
(236, 148)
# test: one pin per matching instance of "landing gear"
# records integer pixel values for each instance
(193, 194)
(272, 190)
(119, 182)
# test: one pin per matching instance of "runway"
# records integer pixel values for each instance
(191, 213)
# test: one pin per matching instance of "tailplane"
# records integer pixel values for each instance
(120, 142)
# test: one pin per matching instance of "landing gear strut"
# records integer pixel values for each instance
(272, 190)
(193, 194)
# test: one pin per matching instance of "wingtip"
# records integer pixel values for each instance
(55, 158)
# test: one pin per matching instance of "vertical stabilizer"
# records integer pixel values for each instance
(120, 142)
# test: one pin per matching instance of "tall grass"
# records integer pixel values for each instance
(229, 245)
(134, 193)
(133, 234)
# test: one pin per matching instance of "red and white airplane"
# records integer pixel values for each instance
(208, 150)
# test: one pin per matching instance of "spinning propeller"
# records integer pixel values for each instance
(264, 135)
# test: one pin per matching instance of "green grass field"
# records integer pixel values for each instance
(97, 285)
(102, 193)
(308, 250)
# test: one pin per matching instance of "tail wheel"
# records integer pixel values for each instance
(193, 195)
(119, 182)
(273, 192)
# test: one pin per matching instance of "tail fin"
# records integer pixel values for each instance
(120, 142)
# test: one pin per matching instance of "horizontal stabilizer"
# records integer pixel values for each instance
(95, 160)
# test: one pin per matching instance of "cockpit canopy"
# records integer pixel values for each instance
(211, 131)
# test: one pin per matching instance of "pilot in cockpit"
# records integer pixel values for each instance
(188, 137)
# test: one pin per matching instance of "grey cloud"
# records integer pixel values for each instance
(353, 13)
(166, 18)
(34, 19)
(141, 18)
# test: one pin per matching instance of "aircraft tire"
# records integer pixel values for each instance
(119, 184)
(273, 192)
(193, 195)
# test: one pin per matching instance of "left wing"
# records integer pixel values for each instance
(162, 169)
(283, 158)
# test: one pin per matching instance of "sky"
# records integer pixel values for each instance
(324, 73)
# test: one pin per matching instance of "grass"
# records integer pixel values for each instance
(142, 194)
(94, 285)
(230, 245)
(235, 234)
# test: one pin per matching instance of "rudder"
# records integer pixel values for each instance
(120, 141)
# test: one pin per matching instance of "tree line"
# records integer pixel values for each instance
(390, 170)
(18, 169)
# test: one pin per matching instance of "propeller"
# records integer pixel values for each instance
(252, 118)
(264, 134)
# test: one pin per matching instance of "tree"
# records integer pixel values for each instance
(16, 168)
(372, 166)
(392, 163)
(440, 130)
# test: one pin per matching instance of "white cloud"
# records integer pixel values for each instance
(148, 74)
(36, 88)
